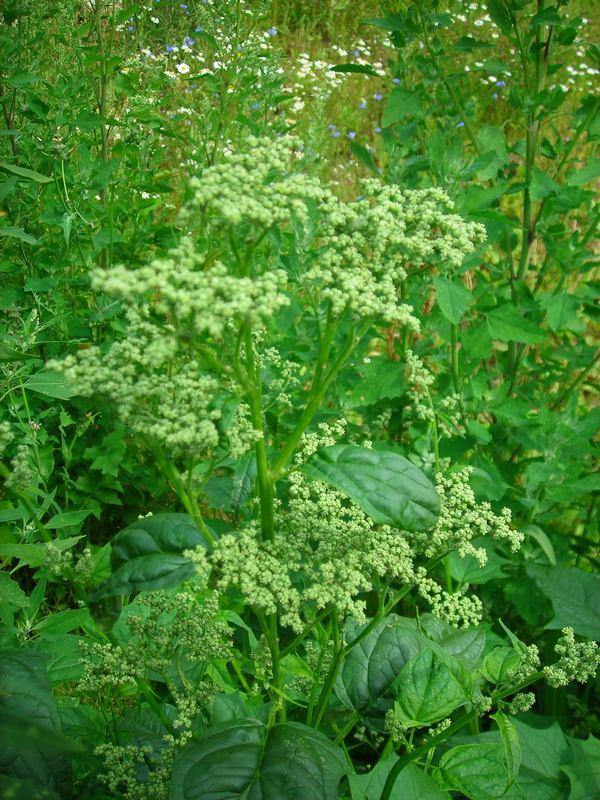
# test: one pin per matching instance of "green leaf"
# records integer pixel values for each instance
(18, 233)
(148, 555)
(7, 186)
(364, 69)
(51, 384)
(575, 598)
(11, 592)
(476, 770)
(541, 537)
(371, 667)
(467, 644)
(512, 746)
(507, 324)
(427, 689)
(543, 750)
(411, 783)
(452, 298)
(24, 172)
(247, 760)
(561, 310)
(589, 172)
(29, 750)
(387, 486)
(67, 519)
(22, 789)
(400, 104)
(542, 185)
(500, 664)
(500, 15)
(467, 569)
(35, 554)
(378, 378)
(583, 770)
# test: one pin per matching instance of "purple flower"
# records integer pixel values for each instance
(351, 134)
(335, 134)
(460, 124)
(378, 96)
(272, 31)
(378, 130)
(170, 48)
(362, 104)
(397, 81)
(500, 84)
(188, 41)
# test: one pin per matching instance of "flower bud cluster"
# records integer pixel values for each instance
(579, 661)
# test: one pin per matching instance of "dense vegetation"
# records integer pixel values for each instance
(299, 370)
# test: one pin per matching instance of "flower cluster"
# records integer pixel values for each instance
(579, 661)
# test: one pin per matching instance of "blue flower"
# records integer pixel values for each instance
(351, 134)
(500, 83)
(272, 31)
(495, 96)
(460, 124)
(188, 41)
(397, 81)
(183, 6)
(356, 53)
(335, 134)
(170, 48)
(378, 130)
(199, 29)
(130, 28)
(362, 104)
(332, 127)
(378, 96)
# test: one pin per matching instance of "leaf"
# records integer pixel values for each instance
(452, 298)
(500, 15)
(359, 68)
(536, 533)
(387, 487)
(512, 746)
(243, 481)
(542, 185)
(378, 378)
(543, 750)
(7, 186)
(583, 770)
(148, 555)
(467, 569)
(67, 519)
(11, 592)
(371, 667)
(22, 789)
(245, 759)
(427, 690)
(24, 172)
(508, 325)
(467, 644)
(494, 153)
(51, 384)
(589, 172)
(18, 233)
(561, 311)
(476, 770)
(26, 697)
(575, 598)
(400, 103)
(412, 782)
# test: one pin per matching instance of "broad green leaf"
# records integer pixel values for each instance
(64, 621)
(499, 13)
(371, 667)
(7, 186)
(561, 310)
(18, 233)
(359, 68)
(494, 152)
(427, 689)
(387, 486)
(51, 384)
(575, 598)
(507, 324)
(11, 592)
(148, 555)
(63, 655)
(589, 172)
(400, 103)
(30, 750)
(67, 519)
(583, 770)
(542, 185)
(22, 789)
(467, 569)
(245, 759)
(476, 770)
(23, 172)
(543, 751)
(500, 664)
(512, 746)
(538, 535)
(378, 378)
(452, 298)
(34, 554)
(411, 783)
(467, 644)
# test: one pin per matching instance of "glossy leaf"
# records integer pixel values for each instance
(512, 746)
(476, 770)
(427, 689)
(387, 486)
(148, 555)
(247, 760)
(412, 782)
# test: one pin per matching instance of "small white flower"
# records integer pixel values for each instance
(182, 68)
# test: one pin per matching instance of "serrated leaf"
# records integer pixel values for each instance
(386, 486)
(400, 103)
(561, 310)
(51, 384)
(18, 233)
(11, 592)
(247, 760)
(508, 325)
(452, 298)
(575, 598)
(427, 690)
(148, 555)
